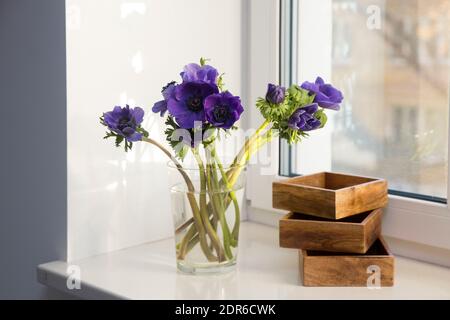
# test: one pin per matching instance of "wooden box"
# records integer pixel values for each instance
(330, 195)
(354, 234)
(327, 269)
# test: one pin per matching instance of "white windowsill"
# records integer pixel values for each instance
(264, 271)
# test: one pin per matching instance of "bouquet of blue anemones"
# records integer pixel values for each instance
(197, 110)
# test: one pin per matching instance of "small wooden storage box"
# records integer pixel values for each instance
(330, 195)
(354, 234)
(327, 269)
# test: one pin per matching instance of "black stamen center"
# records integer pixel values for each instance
(221, 113)
(195, 103)
(123, 123)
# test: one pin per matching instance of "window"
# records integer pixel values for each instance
(391, 58)
(311, 40)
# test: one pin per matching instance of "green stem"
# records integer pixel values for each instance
(192, 230)
(248, 142)
(184, 244)
(217, 201)
(242, 154)
(237, 221)
(193, 240)
(253, 144)
(251, 150)
(192, 202)
(201, 231)
(203, 208)
(211, 208)
(223, 224)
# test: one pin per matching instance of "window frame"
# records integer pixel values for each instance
(409, 219)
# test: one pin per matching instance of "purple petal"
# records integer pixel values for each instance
(311, 124)
(311, 87)
(188, 120)
(138, 115)
(195, 72)
(169, 91)
(131, 134)
(190, 72)
(176, 108)
(161, 107)
(311, 108)
(117, 110)
(320, 81)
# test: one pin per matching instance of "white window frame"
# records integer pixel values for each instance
(414, 220)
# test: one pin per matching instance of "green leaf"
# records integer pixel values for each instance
(102, 121)
(220, 82)
(274, 112)
(128, 145)
(143, 131)
(109, 134)
(209, 135)
(322, 117)
(183, 152)
(299, 97)
(203, 61)
(290, 135)
(180, 148)
(119, 140)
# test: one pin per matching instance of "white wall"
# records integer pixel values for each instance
(123, 52)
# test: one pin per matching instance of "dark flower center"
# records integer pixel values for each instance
(221, 113)
(195, 103)
(123, 123)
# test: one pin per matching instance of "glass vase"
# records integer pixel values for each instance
(206, 202)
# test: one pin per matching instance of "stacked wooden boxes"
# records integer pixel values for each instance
(335, 222)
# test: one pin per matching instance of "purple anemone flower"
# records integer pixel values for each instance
(196, 72)
(167, 92)
(303, 118)
(223, 109)
(125, 121)
(327, 96)
(187, 105)
(275, 94)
